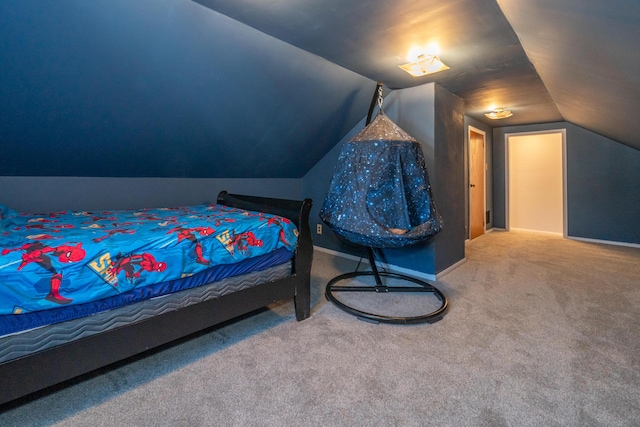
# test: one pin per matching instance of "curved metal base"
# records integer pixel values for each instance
(432, 317)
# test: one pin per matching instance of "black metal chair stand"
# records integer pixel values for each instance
(430, 317)
(392, 131)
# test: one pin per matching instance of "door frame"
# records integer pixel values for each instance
(563, 133)
(484, 178)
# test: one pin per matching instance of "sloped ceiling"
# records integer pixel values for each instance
(163, 88)
(587, 53)
(545, 60)
(253, 88)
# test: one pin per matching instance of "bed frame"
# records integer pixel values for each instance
(23, 376)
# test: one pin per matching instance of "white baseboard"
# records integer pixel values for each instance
(604, 242)
(394, 268)
(339, 254)
(487, 231)
(526, 230)
(582, 239)
(450, 268)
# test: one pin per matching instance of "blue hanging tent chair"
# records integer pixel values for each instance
(380, 197)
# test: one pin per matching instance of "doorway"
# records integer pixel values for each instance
(535, 181)
(477, 184)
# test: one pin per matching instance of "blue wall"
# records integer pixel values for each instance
(50, 194)
(162, 88)
(448, 178)
(315, 185)
(603, 184)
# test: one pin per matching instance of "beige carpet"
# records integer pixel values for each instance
(541, 331)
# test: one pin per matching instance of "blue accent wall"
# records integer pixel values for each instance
(315, 185)
(58, 193)
(603, 184)
(448, 178)
(603, 180)
(162, 88)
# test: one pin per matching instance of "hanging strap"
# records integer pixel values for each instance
(377, 98)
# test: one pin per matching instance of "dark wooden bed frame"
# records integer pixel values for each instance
(25, 375)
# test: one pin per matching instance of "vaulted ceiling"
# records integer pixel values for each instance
(545, 60)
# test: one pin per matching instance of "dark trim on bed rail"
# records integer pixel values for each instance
(298, 212)
(35, 372)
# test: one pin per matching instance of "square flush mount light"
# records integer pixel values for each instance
(425, 64)
(499, 113)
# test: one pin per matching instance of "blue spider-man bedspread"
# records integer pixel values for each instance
(68, 258)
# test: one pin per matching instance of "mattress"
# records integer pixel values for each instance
(12, 323)
(38, 339)
(70, 258)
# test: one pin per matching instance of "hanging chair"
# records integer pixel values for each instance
(380, 197)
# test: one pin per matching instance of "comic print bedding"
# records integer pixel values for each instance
(69, 258)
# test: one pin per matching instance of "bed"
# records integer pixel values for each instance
(144, 300)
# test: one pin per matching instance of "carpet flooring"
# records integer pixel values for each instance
(541, 331)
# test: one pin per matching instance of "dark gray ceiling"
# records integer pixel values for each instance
(587, 53)
(546, 60)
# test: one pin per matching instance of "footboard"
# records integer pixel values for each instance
(298, 212)
(37, 371)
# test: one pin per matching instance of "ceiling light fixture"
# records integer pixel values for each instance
(499, 113)
(424, 64)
